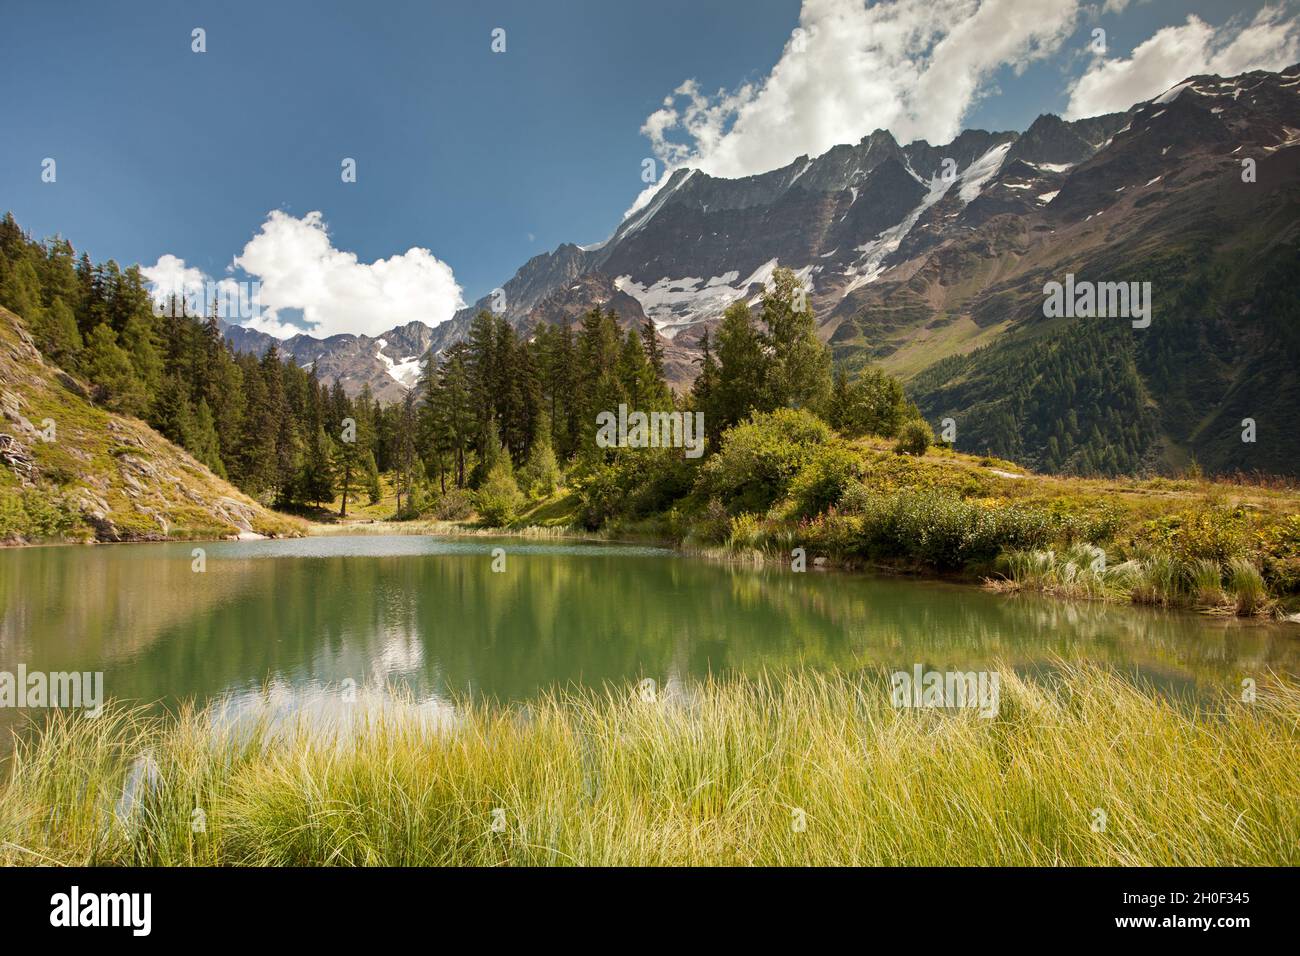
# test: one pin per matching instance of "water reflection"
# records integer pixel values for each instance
(430, 616)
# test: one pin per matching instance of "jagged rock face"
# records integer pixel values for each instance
(388, 363)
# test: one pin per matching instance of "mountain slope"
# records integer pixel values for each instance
(930, 262)
(102, 476)
(1164, 202)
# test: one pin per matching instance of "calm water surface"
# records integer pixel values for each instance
(299, 617)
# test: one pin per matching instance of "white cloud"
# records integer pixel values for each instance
(913, 67)
(298, 267)
(171, 276)
(1270, 41)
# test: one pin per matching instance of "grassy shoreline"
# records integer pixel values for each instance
(720, 773)
(1220, 547)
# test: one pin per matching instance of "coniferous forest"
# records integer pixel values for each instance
(498, 413)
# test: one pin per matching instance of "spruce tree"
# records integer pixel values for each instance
(110, 369)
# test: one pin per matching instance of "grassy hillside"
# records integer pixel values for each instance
(70, 471)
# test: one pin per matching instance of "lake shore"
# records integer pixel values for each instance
(1077, 588)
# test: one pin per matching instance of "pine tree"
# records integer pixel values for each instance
(110, 369)
(800, 373)
(373, 487)
(207, 447)
(404, 457)
(173, 415)
(743, 369)
(56, 334)
(20, 292)
(653, 350)
(541, 473)
(449, 421)
(489, 457)
(702, 392)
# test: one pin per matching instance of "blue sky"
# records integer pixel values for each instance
(483, 159)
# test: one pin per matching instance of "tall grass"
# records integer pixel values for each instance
(714, 775)
(1247, 587)
(1156, 578)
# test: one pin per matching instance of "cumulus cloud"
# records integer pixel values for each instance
(297, 268)
(1270, 41)
(914, 67)
(171, 276)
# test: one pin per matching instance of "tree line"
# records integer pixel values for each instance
(504, 415)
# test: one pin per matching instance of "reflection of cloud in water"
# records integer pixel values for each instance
(328, 713)
(399, 653)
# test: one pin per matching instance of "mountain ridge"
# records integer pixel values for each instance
(914, 254)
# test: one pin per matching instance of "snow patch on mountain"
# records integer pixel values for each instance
(405, 372)
(671, 303)
(1171, 94)
(655, 205)
(978, 173)
(870, 264)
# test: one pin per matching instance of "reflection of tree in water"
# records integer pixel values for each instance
(444, 623)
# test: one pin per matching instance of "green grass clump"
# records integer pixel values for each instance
(1246, 585)
(719, 773)
(1155, 578)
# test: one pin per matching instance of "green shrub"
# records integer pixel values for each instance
(760, 457)
(714, 525)
(948, 533)
(914, 438)
(35, 514)
(499, 499)
(1212, 532)
(746, 532)
(1279, 546)
(456, 504)
(634, 483)
(418, 500)
(823, 480)
(856, 498)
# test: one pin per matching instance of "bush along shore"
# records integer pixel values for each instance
(1081, 768)
(784, 487)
